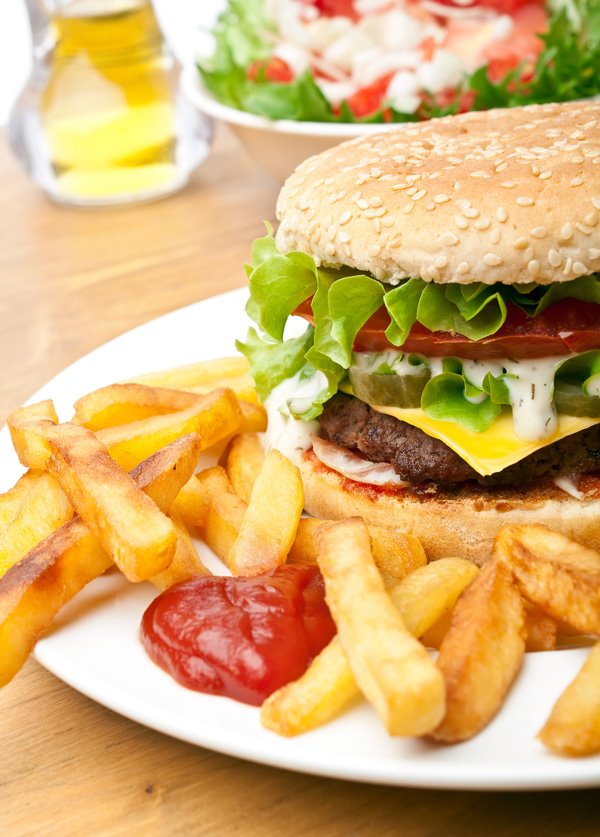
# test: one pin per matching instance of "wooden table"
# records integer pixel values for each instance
(70, 281)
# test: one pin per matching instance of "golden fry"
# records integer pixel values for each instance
(214, 416)
(27, 426)
(391, 667)
(242, 459)
(33, 591)
(395, 554)
(12, 500)
(202, 373)
(44, 509)
(557, 575)
(123, 403)
(130, 527)
(271, 520)
(481, 653)
(573, 728)
(186, 562)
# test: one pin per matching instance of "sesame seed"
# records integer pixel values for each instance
(492, 260)
(408, 208)
(387, 222)
(434, 273)
(375, 201)
(577, 181)
(567, 232)
(470, 212)
(594, 254)
(441, 262)
(523, 200)
(412, 191)
(533, 267)
(377, 225)
(539, 232)
(482, 224)
(331, 232)
(329, 181)
(398, 186)
(441, 199)
(344, 218)
(420, 194)
(545, 175)
(591, 219)
(495, 236)
(370, 213)
(449, 239)
(362, 203)
(584, 229)
(330, 249)
(554, 258)
(461, 222)
(568, 266)
(528, 254)
(520, 243)
(429, 205)
(463, 268)
(596, 202)
(344, 237)
(501, 167)
(373, 250)
(509, 184)
(579, 269)
(501, 214)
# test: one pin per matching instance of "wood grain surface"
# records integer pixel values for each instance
(69, 281)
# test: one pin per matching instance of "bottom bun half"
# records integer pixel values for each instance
(461, 521)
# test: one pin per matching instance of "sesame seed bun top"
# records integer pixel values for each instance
(499, 196)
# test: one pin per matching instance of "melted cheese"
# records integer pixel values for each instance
(497, 447)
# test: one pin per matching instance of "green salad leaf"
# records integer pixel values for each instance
(566, 69)
(343, 301)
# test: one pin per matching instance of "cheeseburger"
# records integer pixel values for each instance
(446, 378)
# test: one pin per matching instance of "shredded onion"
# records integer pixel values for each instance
(355, 468)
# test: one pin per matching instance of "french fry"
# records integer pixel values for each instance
(540, 630)
(33, 591)
(328, 684)
(315, 698)
(271, 520)
(391, 667)
(214, 416)
(186, 562)
(123, 403)
(128, 524)
(482, 652)
(12, 500)
(242, 459)
(395, 554)
(191, 504)
(434, 636)
(557, 575)
(573, 728)
(202, 373)
(44, 509)
(224, 511)
(254, 417)
(27, 426)
(425, 595)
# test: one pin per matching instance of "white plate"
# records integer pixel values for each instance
(94, 644)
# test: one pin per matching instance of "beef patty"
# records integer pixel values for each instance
(417, 457)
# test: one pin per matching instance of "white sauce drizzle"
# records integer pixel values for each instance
(288, 435)
(530, 385)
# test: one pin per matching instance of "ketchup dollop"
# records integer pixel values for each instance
(240, 637)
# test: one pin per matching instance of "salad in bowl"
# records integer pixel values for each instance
(378, 61)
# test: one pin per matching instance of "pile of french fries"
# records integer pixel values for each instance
(119, 486)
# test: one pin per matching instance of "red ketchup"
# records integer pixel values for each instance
(240, 637)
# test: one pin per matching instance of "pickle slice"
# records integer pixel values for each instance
(390, 390)
(571, 400)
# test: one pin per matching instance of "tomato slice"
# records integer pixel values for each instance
(503, 7)
(275, 69)
(369, 99)
(567, 326)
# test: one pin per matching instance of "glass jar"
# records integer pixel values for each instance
(101, 120)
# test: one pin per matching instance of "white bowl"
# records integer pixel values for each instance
(277, 145)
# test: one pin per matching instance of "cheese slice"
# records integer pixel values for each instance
(494, 449)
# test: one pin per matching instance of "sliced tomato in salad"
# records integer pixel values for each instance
(335, 8)
(567, 326)
(369, 99)
(504, 7)
(275, 69)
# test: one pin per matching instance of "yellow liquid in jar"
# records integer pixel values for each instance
(108, 111)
